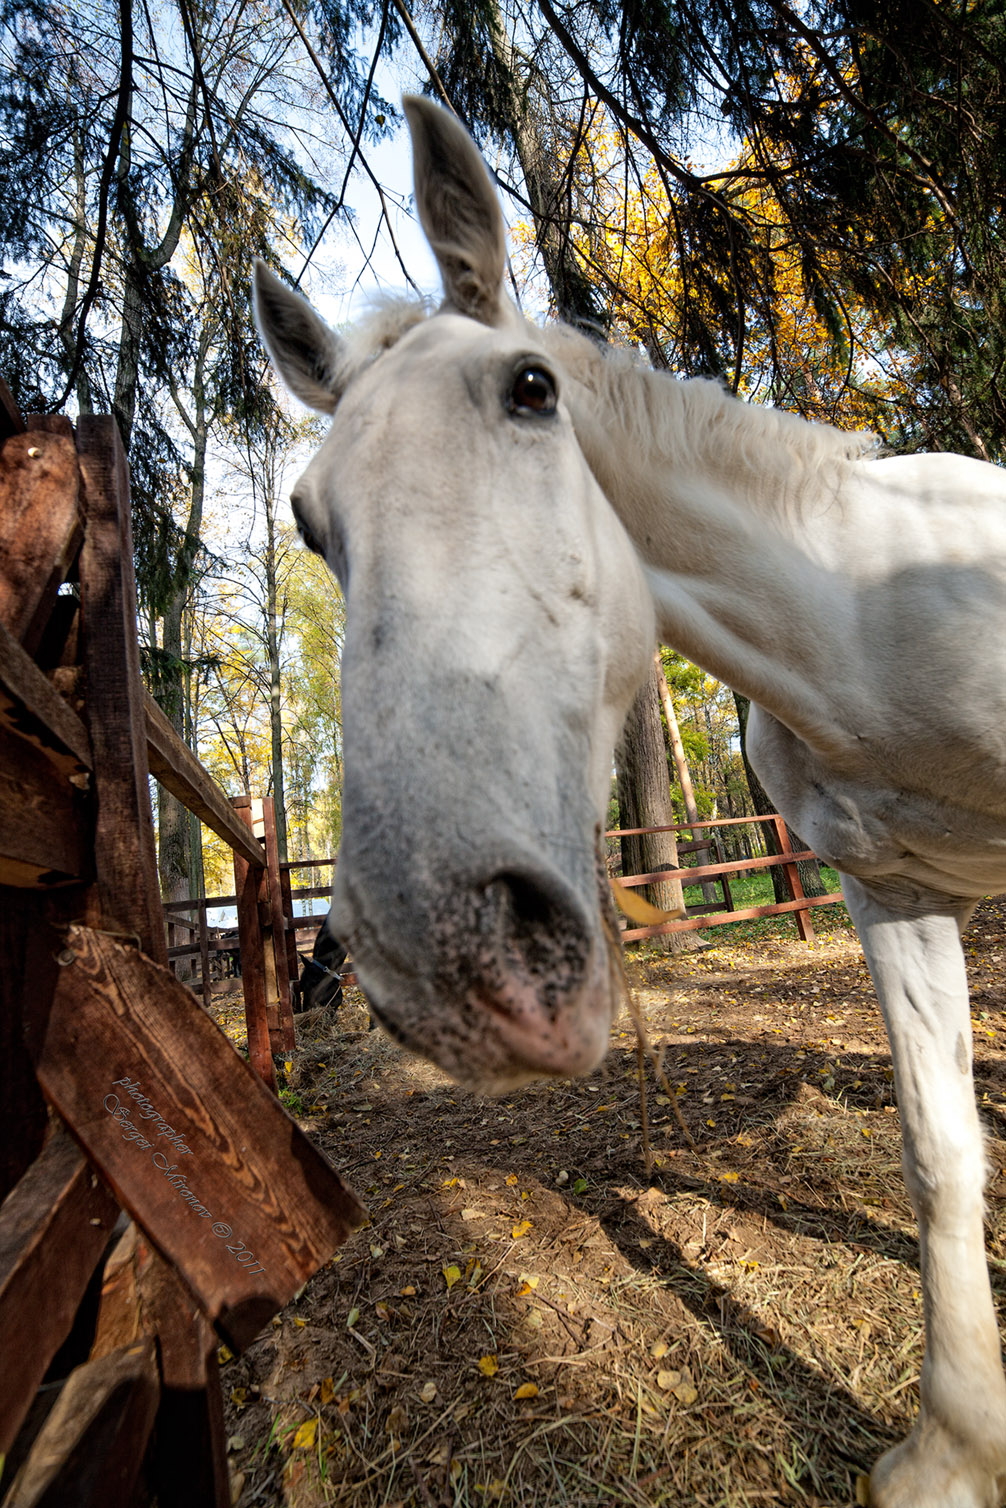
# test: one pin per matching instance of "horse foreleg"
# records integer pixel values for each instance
(955, 1456)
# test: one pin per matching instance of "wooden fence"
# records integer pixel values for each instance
(153, 1189)
(700, 916)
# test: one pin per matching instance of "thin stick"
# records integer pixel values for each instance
(643, 1042)
(644, 1117)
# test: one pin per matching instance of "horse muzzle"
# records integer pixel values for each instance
(510, 978)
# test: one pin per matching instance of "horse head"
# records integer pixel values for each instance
(498, 626)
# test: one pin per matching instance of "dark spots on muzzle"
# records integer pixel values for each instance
(517, 930)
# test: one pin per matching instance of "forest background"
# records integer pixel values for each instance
(802, 200)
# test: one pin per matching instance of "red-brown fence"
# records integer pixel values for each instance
(700, 916)
(153, 1188)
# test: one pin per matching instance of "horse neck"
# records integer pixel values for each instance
(734, 525)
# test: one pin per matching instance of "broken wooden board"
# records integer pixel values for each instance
(205, 1159)
(141, 1293)
(53, 1229)
(40, 527)
(89, 1451)
(45, 821)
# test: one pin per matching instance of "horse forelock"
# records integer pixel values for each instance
(388, 317)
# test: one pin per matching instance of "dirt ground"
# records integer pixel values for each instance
(529, 1320)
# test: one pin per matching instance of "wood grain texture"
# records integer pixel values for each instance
(205, 1159)
(40, 528)
(53, 1229)
(45, 822)
(89, 1452)
(32, 707)
(124, 833)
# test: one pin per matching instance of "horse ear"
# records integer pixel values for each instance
(459, 210)
(304, 351)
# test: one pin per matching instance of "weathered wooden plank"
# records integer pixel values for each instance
(124, 834)
(189, 1466)
(32, 707)
(89, 1451)
(179, 771)
(40, 528)
(277, 916)
(140, 1291)
(713, 871)
(749, 913)
(44, 820)
(202, 1155)
(53, 1228)
(249, 883)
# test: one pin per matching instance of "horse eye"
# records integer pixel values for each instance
(532, 392)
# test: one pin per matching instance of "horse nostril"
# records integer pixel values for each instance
(541, 930)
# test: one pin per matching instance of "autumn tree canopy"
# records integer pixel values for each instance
(804, 200)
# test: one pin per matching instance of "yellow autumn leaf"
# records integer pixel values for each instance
(527, 1390)
(304, 1438)
(488, 1366)
(511, 1179)
(451, 1275)
(639, 910)
(521, 1229)
(326, 1391)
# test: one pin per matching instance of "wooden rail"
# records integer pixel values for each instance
(699, 916)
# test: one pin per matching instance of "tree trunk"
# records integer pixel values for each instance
(272, 636)
(709, 891)
(644, 800)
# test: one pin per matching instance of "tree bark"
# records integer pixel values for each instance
(644, 800)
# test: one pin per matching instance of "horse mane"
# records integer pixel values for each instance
(696, 426)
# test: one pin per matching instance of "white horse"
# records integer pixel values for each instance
(476, 497)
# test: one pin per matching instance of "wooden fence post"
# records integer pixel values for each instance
(249, 882)
(128, 884)
(278, 929)
(804, 925)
